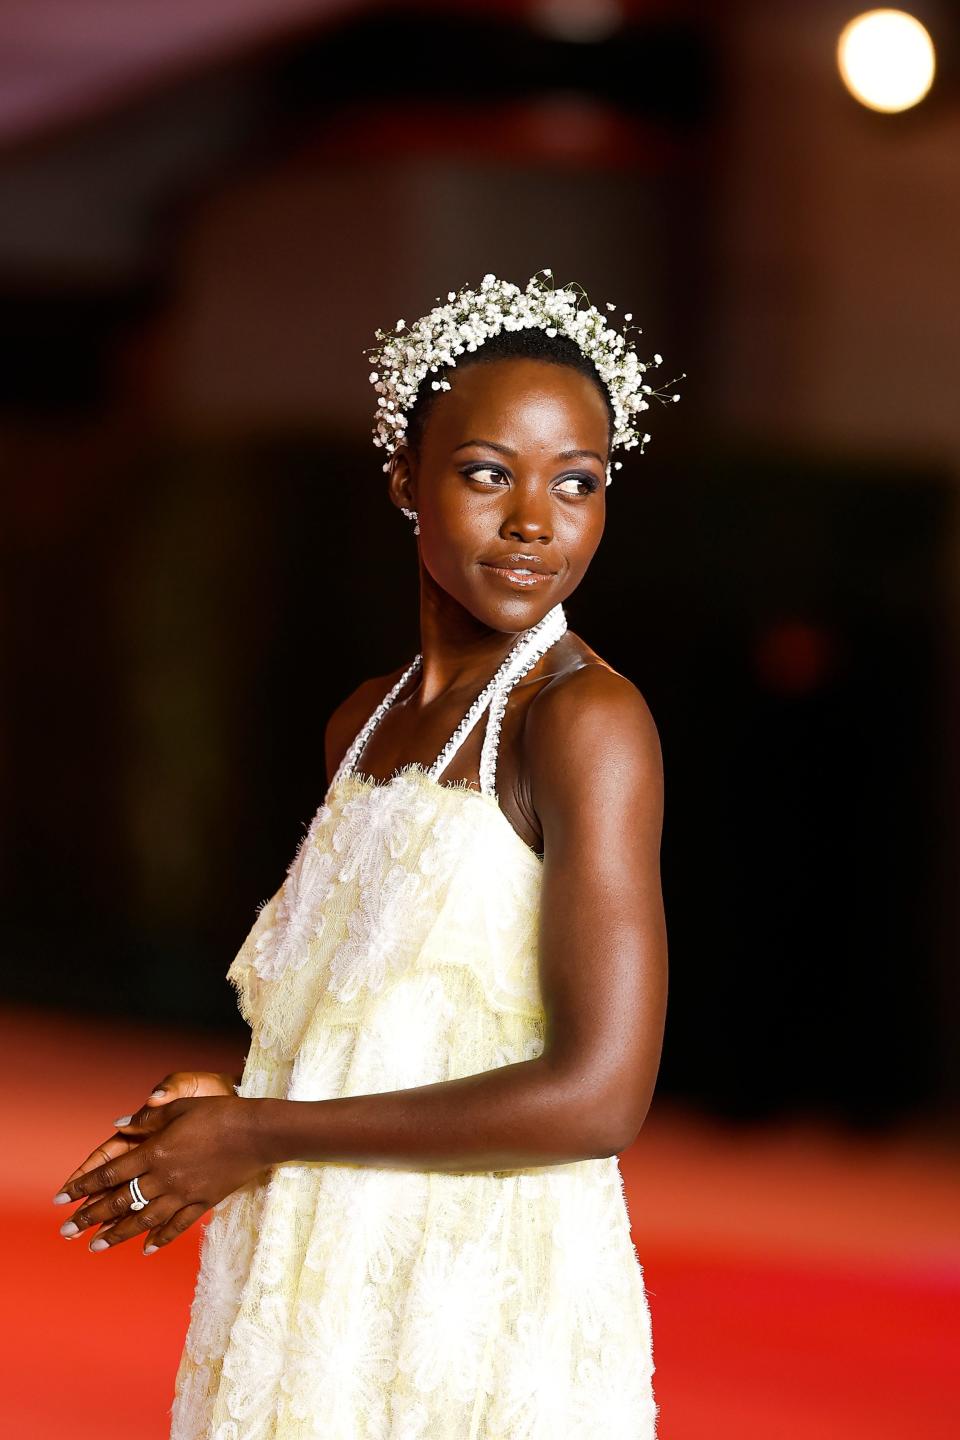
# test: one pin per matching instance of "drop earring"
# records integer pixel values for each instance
(412, 515)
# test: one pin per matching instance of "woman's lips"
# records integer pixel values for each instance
(519, 575)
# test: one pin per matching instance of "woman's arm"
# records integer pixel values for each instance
(593, 757)
(595, 775)
(517, 1115)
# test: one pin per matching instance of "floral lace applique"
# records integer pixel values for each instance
(379, 821)
(452, 1307)
(255, 1084)
(299, 914)
(319, 1067)
(449, 834)
(228, 1245)
(340, 1367)
(407, 1037)
(375, 935)
(387, 1211)
(255, 1365)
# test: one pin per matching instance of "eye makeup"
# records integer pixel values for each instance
(478, 468)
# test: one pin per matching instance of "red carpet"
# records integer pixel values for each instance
(803, 1286)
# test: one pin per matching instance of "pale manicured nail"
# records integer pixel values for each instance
(69, 1228)
(155, 1094)
(62, 1199)
(149, 1249)
(123, 1120)
(99, 1245)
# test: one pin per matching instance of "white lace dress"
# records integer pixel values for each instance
(351, 1302)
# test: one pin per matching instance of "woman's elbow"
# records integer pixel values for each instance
(616, 1127)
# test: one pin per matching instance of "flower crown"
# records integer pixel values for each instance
(405, 355)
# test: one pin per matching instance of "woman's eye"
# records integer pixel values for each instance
(587, 482)
(484, 472)
(577, 485)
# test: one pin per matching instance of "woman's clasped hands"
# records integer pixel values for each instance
(188, 1147)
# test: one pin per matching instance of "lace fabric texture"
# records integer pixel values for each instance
(357, 1303)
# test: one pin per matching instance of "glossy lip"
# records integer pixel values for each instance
(514, 577)
(519, 559)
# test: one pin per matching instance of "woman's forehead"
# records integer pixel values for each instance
(533, 401)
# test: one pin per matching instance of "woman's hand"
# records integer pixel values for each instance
(180, 1084)
(195, 1153)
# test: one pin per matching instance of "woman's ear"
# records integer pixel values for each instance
(401, 485)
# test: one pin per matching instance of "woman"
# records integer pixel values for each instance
(457, 997)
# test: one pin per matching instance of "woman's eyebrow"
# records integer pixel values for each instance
(505, 450)
(579, 455)
(492, 444)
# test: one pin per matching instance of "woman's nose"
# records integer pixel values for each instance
(529, 519)
(528, 531)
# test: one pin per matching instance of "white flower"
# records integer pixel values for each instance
(225, 1255)
(534, 1372)
(449, 834)
(375, 932)
(318, 1069)
(469, 318)
(452, 1299)
(379, 822)
(193, 1403)
(367, 1224)
(254, 1364)
(300, 910)
(613, 1395)
(342, 1362)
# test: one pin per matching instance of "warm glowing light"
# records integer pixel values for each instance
(886, 58)
(581, 21)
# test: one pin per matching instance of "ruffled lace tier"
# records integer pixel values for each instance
(358, 1303)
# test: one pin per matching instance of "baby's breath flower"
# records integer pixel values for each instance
(432, 343)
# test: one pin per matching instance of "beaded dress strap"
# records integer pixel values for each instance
(526, 652)
(498, 702)
(358, 744)
(524, 655)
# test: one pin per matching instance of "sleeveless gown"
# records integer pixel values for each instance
(351, 1302)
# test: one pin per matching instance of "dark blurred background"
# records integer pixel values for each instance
(206, 209)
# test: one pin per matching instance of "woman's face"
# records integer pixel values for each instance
(512, 463)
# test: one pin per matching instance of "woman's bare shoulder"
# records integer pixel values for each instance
(578, 668)
(588, 713)
(352, 714)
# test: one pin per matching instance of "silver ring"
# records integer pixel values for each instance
(139, 1199)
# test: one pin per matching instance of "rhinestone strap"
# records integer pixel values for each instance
(533, 643)
(498, 704)
(526, 652)
(359, 742)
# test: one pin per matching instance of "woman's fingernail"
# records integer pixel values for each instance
(69, 1228)
(99, 1245)
(62, 1199)
(149, 1249)
(123, 1120)
(154, 1094)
